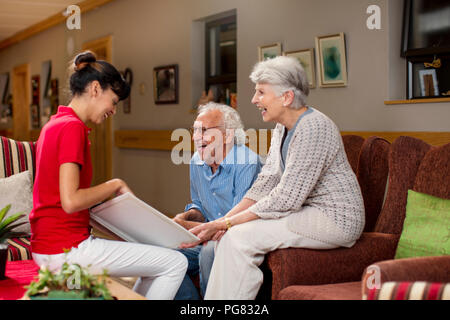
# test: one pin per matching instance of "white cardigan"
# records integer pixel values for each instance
(317, 174)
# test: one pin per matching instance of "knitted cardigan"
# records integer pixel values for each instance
(317, 174)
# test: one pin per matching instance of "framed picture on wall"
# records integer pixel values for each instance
(269, 51)
(34, 109)
(4, 81)
(165, 84)
(306, 59)
(332, 60)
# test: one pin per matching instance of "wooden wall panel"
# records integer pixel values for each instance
(160, 139)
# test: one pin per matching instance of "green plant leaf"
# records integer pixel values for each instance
(6, 231)
(4, 211)
(14, 234)
(91, 286)
(11, 219)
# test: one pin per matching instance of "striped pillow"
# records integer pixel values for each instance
(16, 156)
(19, 249)
(419, 290)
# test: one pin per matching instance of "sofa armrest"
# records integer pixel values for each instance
(429, 269)
(298, 266)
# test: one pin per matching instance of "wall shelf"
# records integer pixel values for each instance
(414, 101)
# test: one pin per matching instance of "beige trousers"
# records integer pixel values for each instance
(235, 273)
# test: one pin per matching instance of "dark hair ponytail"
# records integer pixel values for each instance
(86, 68)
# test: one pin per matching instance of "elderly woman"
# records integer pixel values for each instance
(306, 195)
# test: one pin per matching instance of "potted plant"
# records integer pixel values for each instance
(7, 226)
(72, 282)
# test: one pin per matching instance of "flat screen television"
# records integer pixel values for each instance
(426, 27)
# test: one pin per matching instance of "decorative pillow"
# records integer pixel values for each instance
(19, 249)
(17, 190)
(418, 290)
(426, 230)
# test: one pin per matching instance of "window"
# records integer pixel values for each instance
(220, 67)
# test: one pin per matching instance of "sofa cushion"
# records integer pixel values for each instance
(433, 175)
(19, 274)
(372, 176)
(352, 146)
(17, 190)
(426, 227)
(418, 290)
(16, 156)
(19, 249)
(405, 155)
(337, 291)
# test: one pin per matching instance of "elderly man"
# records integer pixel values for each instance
(221, 171)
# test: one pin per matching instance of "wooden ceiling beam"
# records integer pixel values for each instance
(85, 6)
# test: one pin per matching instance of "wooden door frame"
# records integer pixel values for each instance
(104, 42)
(23, 109)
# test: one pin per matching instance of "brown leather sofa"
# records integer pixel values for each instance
(303, 274)
(369, 160)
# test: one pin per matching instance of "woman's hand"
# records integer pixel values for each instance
(122, 187)
(214, 230)
(205, 232)
(219, 234)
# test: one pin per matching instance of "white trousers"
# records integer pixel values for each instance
(161, 270)
(235, 272)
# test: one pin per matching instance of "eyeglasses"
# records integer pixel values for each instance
(202, 130)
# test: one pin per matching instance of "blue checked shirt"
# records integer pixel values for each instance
(216, 194)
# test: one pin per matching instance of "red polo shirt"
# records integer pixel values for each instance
(63, 139)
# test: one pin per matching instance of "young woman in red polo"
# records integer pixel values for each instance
(63, 194)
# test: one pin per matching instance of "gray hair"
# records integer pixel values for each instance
(231, 119)
(284, 74)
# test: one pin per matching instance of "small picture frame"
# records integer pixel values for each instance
(332, 60)
(269, 51)
(306, 59)
(165, 84)
(428, 83)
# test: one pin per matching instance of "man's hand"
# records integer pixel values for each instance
(189, 219)
(187, 224)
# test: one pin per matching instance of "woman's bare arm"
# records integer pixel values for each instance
(74, 199)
